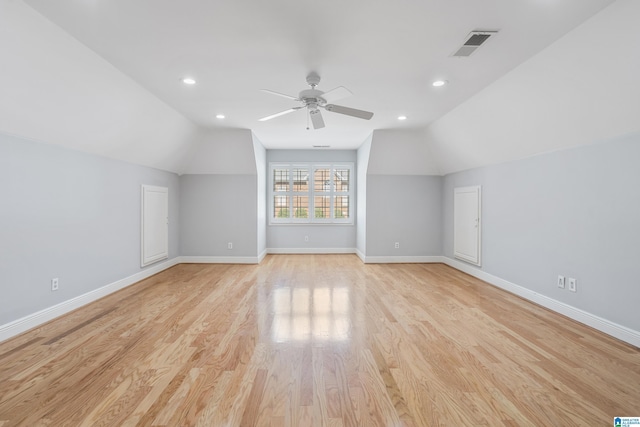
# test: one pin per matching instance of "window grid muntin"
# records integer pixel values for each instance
(321, 207)
(300, 180)
(280, 180)
(301, 206)
(322, 179)
(341, 207)
(281, 206)
(342, 180)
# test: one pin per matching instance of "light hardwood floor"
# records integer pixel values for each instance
(315, 340)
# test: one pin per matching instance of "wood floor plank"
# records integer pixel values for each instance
(315, 340)
(209, 412)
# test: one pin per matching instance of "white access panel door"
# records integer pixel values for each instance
(467, 224)
(155, 224)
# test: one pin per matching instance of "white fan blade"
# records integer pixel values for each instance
(316, 119)
(280, 94)
(361, 114)
(281, 113)
(337, 93)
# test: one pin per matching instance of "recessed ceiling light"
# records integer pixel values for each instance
(220, 116)
(188, 81)
(402, 117)
(439, 83)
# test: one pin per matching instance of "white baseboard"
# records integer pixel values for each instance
(311, 250)
(618, 331)
(261, 256)
(31, 321)
(401, 259)
(623, 333)
(220, 259)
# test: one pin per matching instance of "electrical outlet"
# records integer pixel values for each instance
(229, 245)
(561, 282)
(54, 284)
(397, 245)
(306, 238)
(573, 284)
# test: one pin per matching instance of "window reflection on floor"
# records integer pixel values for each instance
(303, 314)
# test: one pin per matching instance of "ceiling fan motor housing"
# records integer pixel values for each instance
(312, 96)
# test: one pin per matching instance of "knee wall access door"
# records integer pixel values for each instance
(155, 224)
(467, 224)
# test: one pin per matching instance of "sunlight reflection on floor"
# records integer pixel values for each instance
(303, 314)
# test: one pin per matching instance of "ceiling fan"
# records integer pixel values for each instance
(314, 99)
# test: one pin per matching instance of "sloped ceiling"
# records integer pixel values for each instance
(581, 90)
(104, 77)
(55, 90)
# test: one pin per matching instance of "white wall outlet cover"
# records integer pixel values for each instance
(573, 284)
(561, 282)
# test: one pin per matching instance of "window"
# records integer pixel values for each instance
(311, 193)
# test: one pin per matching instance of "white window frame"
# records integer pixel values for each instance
(311, 193)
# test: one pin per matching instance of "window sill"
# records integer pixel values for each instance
(313, 224)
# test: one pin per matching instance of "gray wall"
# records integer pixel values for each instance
(405, 209)
(317, 155)
(574, 213)
(215, 210)
(261, 169)
(69, 215)
(291, 236)
(361, 198)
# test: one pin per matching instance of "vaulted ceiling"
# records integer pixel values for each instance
(122, 62)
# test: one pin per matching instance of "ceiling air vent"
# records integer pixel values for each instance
(475, 39)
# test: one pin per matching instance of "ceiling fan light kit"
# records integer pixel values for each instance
(314, 99)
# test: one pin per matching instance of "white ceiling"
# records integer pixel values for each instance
(387, 53)
(581, 90)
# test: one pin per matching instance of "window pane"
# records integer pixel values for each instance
(322, 207)
(281, 180)
(341, 180)
(300, 207)
(341, 207)
(301, 180)
(281, 207)
(322, 180)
